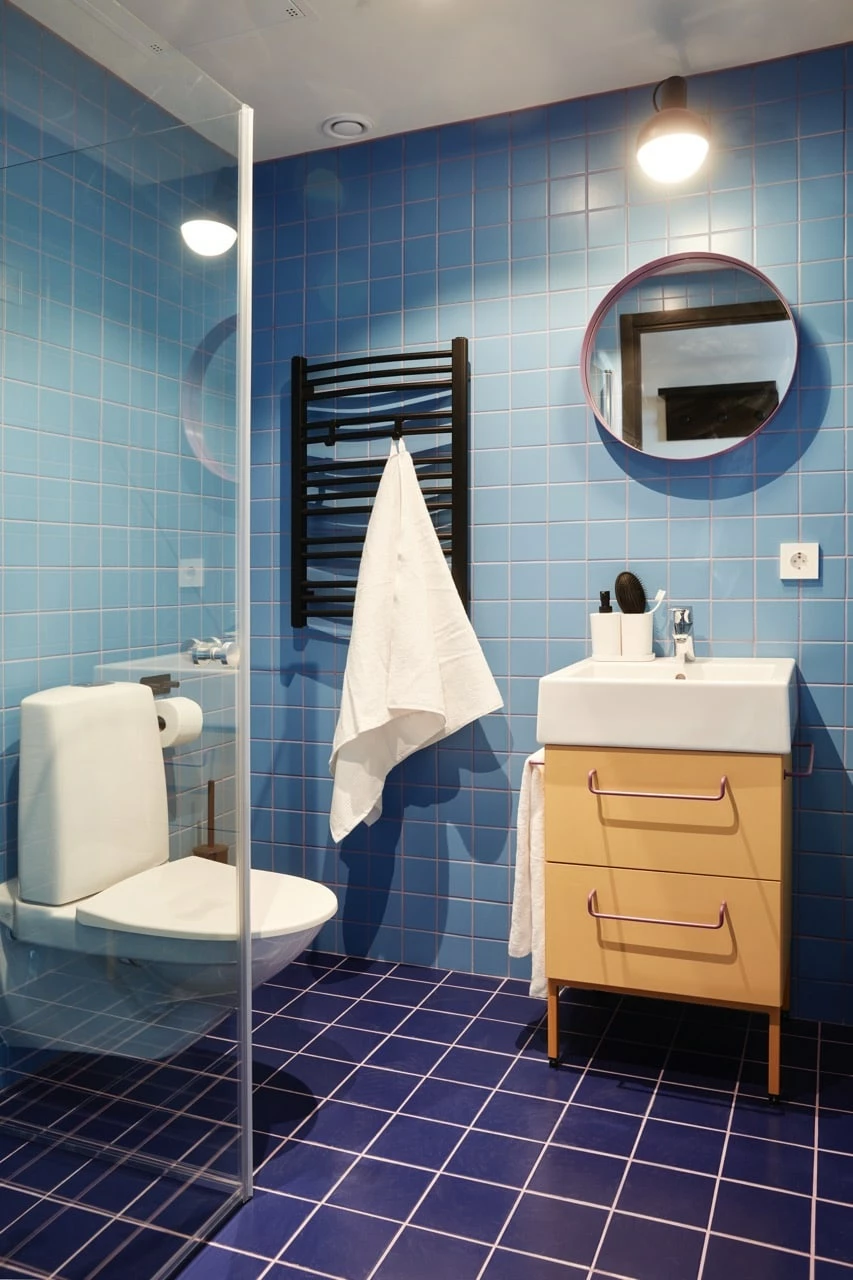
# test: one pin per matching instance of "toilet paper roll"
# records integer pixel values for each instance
(180, 721)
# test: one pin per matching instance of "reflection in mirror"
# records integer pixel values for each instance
(689, 356)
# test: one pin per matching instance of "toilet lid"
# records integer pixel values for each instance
(195, 898)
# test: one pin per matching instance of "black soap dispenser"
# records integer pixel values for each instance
(606, 630)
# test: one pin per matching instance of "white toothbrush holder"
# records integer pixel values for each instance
(637, 633)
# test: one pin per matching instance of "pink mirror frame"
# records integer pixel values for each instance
(637, 277)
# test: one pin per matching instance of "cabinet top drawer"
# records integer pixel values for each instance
(704, 812)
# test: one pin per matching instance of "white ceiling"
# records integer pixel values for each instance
(409, 64)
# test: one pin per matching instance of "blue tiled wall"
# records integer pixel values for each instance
(510, 230)
(101, 312)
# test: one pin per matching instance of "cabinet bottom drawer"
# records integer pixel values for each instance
(705, 937)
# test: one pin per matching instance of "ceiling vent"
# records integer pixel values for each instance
(292, 11)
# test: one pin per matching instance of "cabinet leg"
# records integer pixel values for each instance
(553, 1022)
(774, 1052)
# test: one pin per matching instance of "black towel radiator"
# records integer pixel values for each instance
(373, 398)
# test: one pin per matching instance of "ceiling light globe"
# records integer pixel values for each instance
(208, 237)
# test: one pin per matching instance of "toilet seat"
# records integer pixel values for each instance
(190, 901)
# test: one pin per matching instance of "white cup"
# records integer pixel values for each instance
(637, 630)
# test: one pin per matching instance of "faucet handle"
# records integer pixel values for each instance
(682, 619)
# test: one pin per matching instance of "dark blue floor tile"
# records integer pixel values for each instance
(769, 1164)
(103, 1248)
(417, 1056)
(670, 1194)
(49, 1247)
(578, 1175)
(270, 999)
(316, 1075)
(541, 1081)
(25, 1217)
(376, 1087)
(767, 1217)
(704, 1070)
(614, 1093)
(304, 1170)
(420, 973)
(830, 1271)
(280, 1032)
(457, 999)
(436, 1099)
(434, 1024)
(374, 1186)
(555, 1228)
(38, 1170)
(365, 964)
(835, 1178)
(347, 982)
(188, 1210)
(681, 1146)
(798, 1087)
(493, 1158)
(731, 1259)
(622, 1057)
(692, 1106)
(425, 1255)
(470, 1066)
(834, 1231)
(504, 1265)
(264, 1224)
(835, 1131)
(643, 1027)
(424, 1143)
(280, 1111)
(609, 1131)
(346, 1044)
(497, 1037)
(520, 1117)
(587, 1019)
(515, 1008)
(779, 1121)
(476, 981)
(369, 1015)
(836, 1091)
(650, 1250)
(341, 1243)
(211, 1263)
(396, 990)
(463, 1207)
(343, 1125)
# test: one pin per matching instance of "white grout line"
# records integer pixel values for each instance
(815, 1165)
(718, 1179)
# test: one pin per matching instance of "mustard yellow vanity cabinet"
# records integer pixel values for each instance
(668, 874)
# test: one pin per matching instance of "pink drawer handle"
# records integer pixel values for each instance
(809, 769)
(681, 924)
(592, 783)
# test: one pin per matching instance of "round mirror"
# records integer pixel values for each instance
(689, 355)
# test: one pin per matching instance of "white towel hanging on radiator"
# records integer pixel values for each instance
(415, 671)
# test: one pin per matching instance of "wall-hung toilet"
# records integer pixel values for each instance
(106, 945)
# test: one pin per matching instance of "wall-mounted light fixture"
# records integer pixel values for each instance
(673, 143)
(214, 230)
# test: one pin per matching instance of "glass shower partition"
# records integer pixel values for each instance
(124, 1049)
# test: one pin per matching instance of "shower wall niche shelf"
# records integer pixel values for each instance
(338, 406)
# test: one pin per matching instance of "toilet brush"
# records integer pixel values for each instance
(216, 852)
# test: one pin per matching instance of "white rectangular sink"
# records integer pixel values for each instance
(712, 704)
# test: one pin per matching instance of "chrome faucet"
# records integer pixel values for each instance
(682, 634)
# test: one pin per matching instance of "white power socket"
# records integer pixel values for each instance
(190, 573)
(799, 560)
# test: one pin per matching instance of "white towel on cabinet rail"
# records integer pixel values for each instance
(415, 671)
(527, 927)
